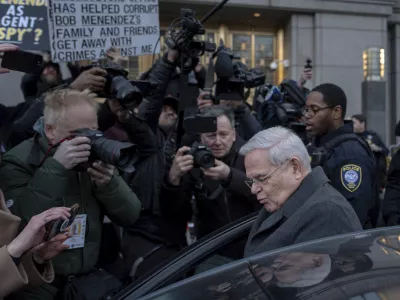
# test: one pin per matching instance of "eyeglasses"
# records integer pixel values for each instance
(312, 111)
(261, 179)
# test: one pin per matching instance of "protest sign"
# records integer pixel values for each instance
(24, 23)
(84, 30)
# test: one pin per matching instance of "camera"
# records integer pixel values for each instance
(119, 154)
(281, 106)
(57, 226)
(202, 155)
(181, 33)
(234, 77)
(129, 93)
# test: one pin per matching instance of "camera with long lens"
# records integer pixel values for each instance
(122, 155)
(129, 93)
(202, 156)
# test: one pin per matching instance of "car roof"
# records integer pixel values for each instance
(369, 261)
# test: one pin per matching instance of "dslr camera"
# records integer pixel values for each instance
(119, 154)
(202, 156)
(129, 93)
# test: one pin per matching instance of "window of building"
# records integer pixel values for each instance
(255, 51)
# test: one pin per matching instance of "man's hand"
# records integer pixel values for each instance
(7, 48)
(306, 75)
(33, 234)
(50, 249)
(114, 54)
(203, 103)
(181, 165)
(219, 172)
(93, 79)
(73, 152)
(101, 173)
(172, 55)
(122, 114)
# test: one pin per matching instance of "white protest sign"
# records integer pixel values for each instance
(85, 29)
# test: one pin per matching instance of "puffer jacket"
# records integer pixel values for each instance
(34, 182)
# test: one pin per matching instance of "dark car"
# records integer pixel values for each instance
(358, 266)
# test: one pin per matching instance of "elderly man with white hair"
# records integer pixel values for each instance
(299, 203)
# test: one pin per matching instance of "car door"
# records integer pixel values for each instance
(180, 265)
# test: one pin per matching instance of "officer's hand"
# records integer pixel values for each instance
(375, 148)
(182, 164)
(101, 173)
(122, 114)
(73, 152)
(203, 103)
(219, 172)
(93, 79)
(7, 48)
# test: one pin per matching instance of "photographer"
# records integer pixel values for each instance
(41, 173)
(246, 123)
(22, 128)
(220, 191)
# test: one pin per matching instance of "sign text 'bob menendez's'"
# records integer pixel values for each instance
(85, 30)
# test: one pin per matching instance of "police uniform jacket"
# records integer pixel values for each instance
(315, 210)
(352, 171)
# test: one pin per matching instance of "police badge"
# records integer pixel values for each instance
(351, 176)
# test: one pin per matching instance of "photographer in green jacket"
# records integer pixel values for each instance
(40, 173)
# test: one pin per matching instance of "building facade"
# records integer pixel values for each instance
(333, 33)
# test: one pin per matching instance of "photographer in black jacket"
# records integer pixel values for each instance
(220, 191)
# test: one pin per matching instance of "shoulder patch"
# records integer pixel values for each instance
(351, 177)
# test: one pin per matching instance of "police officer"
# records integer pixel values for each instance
(377, 146)
(346, 159)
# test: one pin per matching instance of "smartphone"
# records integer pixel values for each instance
(57, 226)
(22, 61)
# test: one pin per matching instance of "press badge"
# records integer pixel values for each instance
(78, 230)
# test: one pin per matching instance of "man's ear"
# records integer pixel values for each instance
(49, 130)
(297, 167)
(337, 112)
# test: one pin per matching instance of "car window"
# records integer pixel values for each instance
(353, 266)
(219, 256)
(222, 247)
(233, 282)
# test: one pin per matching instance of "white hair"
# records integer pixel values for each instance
(56, 103)
(282, 145)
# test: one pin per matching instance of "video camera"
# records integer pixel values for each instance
(129, 93)
(182, 32)
(119, 154)
(234, 77)
(281, 105)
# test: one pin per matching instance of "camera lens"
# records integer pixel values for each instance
(204, 159)
(121, 155)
